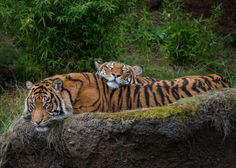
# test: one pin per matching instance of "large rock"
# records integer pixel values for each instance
(194, 132)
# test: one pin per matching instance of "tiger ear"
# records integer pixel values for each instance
(57, 84)
(29, 84)
(98, 63)
(137, 70)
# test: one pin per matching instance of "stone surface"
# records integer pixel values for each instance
(205, 139)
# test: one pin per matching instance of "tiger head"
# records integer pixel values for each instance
(44, 104)
(117, 74)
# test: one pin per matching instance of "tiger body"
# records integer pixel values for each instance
(118, 74)
(57, 97)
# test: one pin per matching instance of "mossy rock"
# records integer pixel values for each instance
(193, 132)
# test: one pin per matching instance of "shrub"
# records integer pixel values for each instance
(189, 39)
(67, 33)
(7, 57)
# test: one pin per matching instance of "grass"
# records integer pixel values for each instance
(158, 66)
(11, 107)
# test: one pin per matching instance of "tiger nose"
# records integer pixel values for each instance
(38, 122)
(116, 75)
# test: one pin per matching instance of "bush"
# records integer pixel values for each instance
(7, 57)
(189, 39)
(14, 66)
(66, 34)
(137, 30)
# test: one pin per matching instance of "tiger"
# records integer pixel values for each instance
(55, 98)
(118, 74)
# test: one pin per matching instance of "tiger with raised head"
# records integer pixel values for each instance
(118, 74)
(57, 97)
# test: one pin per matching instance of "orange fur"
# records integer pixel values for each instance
(77, 93)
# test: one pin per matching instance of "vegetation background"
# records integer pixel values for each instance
(168, 38)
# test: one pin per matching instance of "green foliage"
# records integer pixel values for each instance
(189, 39)
(14, 66)
(66, 34)
(7, 57)
(27, 69)
(140, 36)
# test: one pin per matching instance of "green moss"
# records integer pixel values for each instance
(181, 109)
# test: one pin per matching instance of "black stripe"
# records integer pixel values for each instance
(28, 104)
(161, 93)
(147, 81)
(166, 86)
(130, 103)
(46, 89)
(58, 103)
(120, 99)
(211, 77)
(207, 82)
(139, 105)
(146, 95)
(194, 86)
(105, 92)
(112, 93)
(97, 86)
(175, 92)
(136, 91)
(88, 77)
(94, 103)
(217, 81)
(202, 86)
(45, 92)
(37, 92)
(113, 107)
(223, 84)
(107, 87)
(102, 102)
(85, 75)
(71, 79)
(183, 87)
(97, 109)
(172, 82)
(155, 99)
(128, 97)
(72, 102)
(168, 99)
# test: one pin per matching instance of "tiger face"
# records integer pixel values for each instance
(44, 104)
(117, 73)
